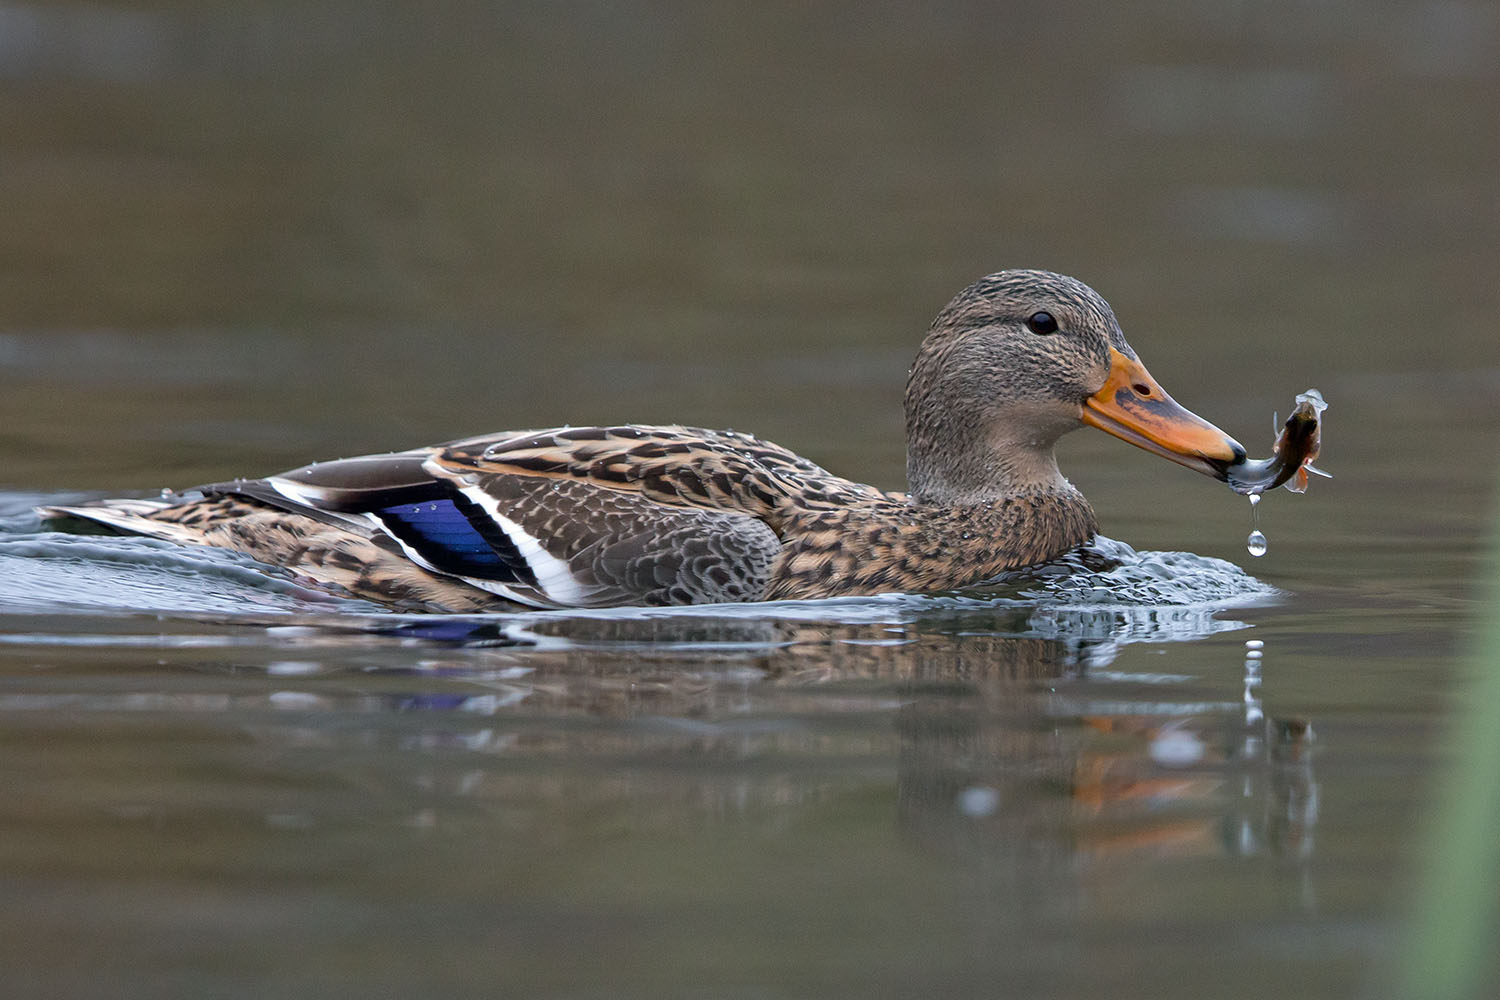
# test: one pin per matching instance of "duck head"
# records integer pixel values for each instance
(1014, 362)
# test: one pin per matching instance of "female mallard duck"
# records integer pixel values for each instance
(598, 516)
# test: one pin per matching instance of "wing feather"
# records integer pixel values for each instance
(566, 517)
(674, 466)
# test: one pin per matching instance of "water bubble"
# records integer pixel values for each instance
(1254, 644)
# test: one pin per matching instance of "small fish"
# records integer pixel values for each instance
(1292, 455)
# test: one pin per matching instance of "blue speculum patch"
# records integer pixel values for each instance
(441, 532)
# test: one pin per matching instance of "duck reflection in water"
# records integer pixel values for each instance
(1015, 741)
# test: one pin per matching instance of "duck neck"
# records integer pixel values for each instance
(963, 464)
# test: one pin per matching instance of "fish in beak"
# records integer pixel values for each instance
(1134, 408)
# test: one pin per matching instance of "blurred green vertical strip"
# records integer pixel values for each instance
(1455, 935)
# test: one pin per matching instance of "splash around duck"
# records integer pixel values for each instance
(656, 515)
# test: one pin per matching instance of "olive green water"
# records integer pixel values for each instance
(237, 241)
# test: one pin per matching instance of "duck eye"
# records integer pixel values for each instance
(1041, 322)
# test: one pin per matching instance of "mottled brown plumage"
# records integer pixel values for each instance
(595, 516)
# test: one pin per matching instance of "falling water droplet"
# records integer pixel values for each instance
(1256, 543)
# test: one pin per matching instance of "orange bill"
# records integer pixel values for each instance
(1133, 408)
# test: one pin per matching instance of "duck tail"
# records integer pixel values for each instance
(127, 516)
